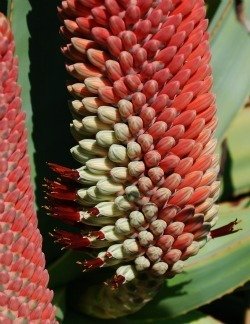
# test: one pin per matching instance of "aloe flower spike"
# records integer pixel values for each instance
(24, 296)
(144, 119)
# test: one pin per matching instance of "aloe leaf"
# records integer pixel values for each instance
(220, 267)
(230, 61)
(236, 173)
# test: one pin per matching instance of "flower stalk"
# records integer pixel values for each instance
(144, 118)
(24, 296)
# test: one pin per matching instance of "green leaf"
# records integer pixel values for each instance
(220, 267)
(230, 61)
(236, 173)
(59, 302)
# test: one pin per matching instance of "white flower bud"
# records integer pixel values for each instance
(106, 138)
(122, 226)
(133, 150)
(177, 267)
(122, 132)
(92, 124)
(123, 204)
(88, 178)
(150, 211)
(108, 187)
(119, 174)
(108, 114)
(127, 271)
(160, 268)
(80, 155)
(158, 226)
(141, 263)
(137, 220)
(132, 193)
(154, 253)
(91, 146)
(145, 238)
(136, 168)
(109, 209)
(99, 165)
(130, 246)
(118, 154)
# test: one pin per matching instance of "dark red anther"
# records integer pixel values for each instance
(97, 234)
(92, 264)
(63, 195)
(116, 281)
(93, 211)
(64, 171)
(225, 230)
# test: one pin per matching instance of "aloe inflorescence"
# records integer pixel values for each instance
(144, 118)
(24, 296)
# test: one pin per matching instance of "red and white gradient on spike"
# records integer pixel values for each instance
(24, 295)
(144, 118)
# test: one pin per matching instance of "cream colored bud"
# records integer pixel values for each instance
(130, 246)
(119, 174)
(178, 267)
(123, 204)
(92, 104)
(122, 226)
(136, 168)
(108, 187)
(122, 132)
(77, 107)
(133, 150)
(145, 238)
(91, 146)
(110, 233)
(158, 226)
(108, 115)
(132, 193)
(109, 209)
(88, 178)
(99, 165)
(137, 220)
(80, 155)
(150, 211)
(92, 124)
(154, 253)
(96, 196)
(125, 108)
(159, 268)
(118, 154)
(127, 271)
(211, 213)
(142, 263)
(106, 138)
(116, 251)
(94, 83)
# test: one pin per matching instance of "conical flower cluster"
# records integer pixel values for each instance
(144, 119)
(24, 295)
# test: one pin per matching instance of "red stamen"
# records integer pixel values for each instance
(64, 172)
(71, 196)
(225, 230)
(116, 281)
(92, 264)
(71, 240)
(66, 213)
